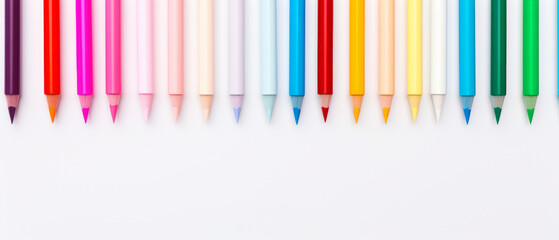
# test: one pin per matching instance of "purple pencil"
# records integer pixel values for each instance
(12, 76)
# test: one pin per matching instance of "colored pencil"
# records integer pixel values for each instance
(84, 55)
(12, 60)
(297, 55)
(112, 55)
(356, 54)
(530, 55)
(236, 56)
(414, 55)
(145, 54)
(467, 55)
(175, 54)
(498, 55)
(268, 55)
(205, 55)
(51, 25)
(386, 56)
(438, 55)
(325, 54)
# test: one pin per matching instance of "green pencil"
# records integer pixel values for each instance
(530, 55)
(498, 55)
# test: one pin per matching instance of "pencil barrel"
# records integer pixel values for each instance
(236, 47)
(467, 48)
(112, 47)
(356, 47)
(205, 47)
(145, 46)
(530, 47)
(438, 47)
(498, 47)
(386, 47)
(51, 25)
(325, 46)
(268, 48)
(414, 48)
(297, 47)
(84, 47)
(12, 47)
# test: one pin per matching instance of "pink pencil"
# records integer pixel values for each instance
(84, 55)
(145, 54)
(175, 54)
(112, 54)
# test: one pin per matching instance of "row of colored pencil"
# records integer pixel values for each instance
(268, 44)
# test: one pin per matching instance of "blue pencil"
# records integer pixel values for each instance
(297, 55)
(467, 55)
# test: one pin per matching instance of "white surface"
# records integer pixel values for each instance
(220, 180)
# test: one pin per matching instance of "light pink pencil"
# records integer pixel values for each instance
(145, 54)
(175, 54)
(112, 54)
(206, 55)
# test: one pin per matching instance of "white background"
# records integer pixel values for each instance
(254, 180)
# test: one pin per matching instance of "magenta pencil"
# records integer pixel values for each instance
(112, 54)
(84, 55)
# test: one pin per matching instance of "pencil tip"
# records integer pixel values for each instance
(325, 113)
(206, 101)
(237, 112)
(497, 103)
(52, 103)
(269, 101)
(145, 101)
(296, 103)
(385, 112)
(356, 101)
(467, 113)
(414, 105)
(52, 113)
(176, 112)
(113, 111)
(467, 102)
(356, 112)
(325, 100)
(530, 114)
(530, 102)
(12, 111)
(176, 103)
(497, 111)
(85, 113)
(296, 114)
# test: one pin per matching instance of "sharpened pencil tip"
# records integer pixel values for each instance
(113, 111)
(325, 113)
(530, 102)
(297, 103)
(296, 114)
(12, 111)
(356, 112)
(52, 113)
(497, 111)
(237, 112)
(85, 113)
(269, 101)
(530, 114)
(467, 113)
(385, 112)
(414, 105)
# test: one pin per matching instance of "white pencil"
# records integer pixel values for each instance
(438, 54)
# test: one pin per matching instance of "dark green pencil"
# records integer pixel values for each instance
(498, 55)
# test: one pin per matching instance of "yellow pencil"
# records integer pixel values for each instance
(356, 54)
(414, 55)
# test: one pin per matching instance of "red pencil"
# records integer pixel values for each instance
(325, 45)
(52, 54)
